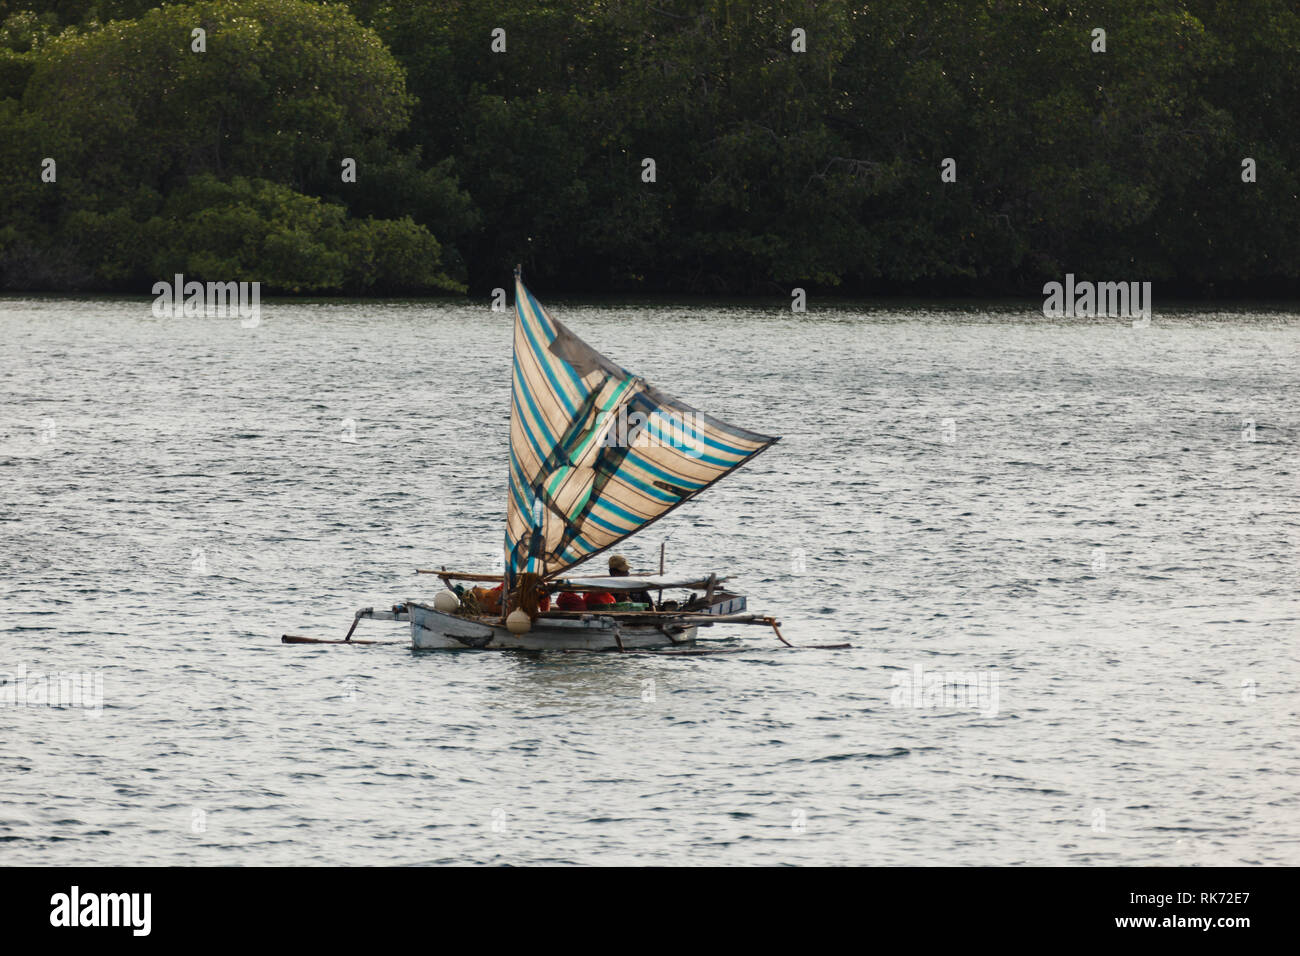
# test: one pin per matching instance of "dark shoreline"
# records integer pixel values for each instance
(817, 303)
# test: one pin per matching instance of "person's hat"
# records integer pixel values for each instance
(618, 563)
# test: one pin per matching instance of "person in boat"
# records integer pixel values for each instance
(619, 568)
(600, 600)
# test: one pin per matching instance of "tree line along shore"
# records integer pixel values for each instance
(968, 147)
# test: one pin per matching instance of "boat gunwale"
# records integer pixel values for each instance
(641, 620)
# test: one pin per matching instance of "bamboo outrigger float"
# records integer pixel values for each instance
(596, 455)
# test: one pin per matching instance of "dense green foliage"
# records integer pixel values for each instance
(773, 167)
(213, 164)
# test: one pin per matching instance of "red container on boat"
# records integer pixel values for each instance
(570, 601)
(598, 599)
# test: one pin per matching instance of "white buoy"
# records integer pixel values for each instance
(446, 601)
(518, 622)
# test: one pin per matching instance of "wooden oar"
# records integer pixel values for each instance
(299, 639)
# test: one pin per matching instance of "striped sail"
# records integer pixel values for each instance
(596, 453)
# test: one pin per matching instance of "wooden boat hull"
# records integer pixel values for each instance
(433, 630)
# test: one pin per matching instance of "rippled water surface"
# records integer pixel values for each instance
(1078, 513)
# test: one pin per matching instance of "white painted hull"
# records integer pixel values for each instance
(434, 630)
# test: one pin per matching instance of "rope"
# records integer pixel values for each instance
(530, 592)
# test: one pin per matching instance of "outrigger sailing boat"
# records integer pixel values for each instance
(581, 482)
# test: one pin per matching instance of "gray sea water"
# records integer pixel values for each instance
(1096, 524)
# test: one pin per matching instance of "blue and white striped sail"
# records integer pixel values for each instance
(597, 453)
